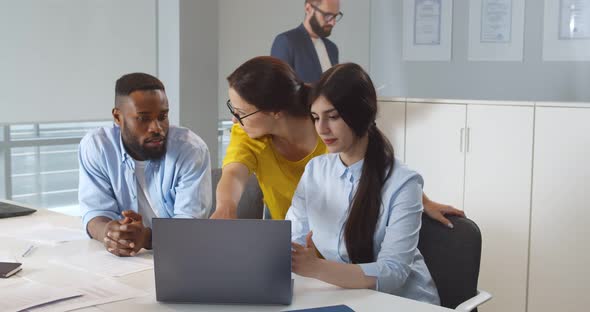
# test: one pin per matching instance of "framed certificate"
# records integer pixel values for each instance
(574, 19)
(566, 30)
(496, 21)
(427, 30)
(496, 30)
(427, 20)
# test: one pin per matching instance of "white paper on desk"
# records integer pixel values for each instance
(7, 256)
(47, 234)
(94, 293)
(104, 263)
(23, 294)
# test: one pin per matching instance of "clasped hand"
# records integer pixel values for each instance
(128, 236)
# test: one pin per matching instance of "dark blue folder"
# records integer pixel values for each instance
(334, 308)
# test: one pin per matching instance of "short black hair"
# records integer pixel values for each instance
(132, 82)
(137, 81)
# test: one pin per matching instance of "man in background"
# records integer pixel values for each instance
(307, 48)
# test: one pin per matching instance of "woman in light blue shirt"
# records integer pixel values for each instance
(356, 213)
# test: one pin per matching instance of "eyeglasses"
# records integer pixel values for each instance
(238, 117)
(328, 17)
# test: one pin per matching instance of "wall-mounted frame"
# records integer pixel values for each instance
(427, 28)
(566, 32)
(496, 30)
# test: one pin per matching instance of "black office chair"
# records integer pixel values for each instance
(251, 205)
(452, 257)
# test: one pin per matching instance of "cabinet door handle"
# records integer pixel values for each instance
(461, 140)
(468, 139)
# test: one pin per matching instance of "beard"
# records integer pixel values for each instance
(322, 32)
(135, 149)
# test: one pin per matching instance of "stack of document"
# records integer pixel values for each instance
(103, 263)
(24, 294)
(93, 293)
(47, 234)
(18, 294)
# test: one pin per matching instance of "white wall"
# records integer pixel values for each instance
(386, 49)
(59, 59)
(247, 29)
(530, 80)
(198, 70)
(168, 38)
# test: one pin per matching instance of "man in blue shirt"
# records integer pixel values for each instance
(307, 48)
(140, 168)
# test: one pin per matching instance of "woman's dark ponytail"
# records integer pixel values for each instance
(366, 204)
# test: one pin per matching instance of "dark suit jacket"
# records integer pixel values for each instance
(296, 48)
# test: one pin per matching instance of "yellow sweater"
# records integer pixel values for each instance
(277, 176)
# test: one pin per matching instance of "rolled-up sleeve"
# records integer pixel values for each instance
(193, 188)
(393, 265)
(95, 194)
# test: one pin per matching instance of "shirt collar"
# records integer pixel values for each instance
(352, 172)
(125, 155)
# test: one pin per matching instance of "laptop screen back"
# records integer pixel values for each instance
(222, 261)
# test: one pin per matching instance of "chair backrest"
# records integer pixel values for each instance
(251, 205)
(453, 257)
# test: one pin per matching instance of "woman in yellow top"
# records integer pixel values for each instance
(274, 137)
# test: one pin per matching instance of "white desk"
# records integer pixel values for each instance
(308, 293)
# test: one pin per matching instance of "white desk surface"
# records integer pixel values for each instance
(308, 293)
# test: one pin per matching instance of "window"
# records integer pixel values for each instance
(223, 133)
(39, 162)
(42, 162)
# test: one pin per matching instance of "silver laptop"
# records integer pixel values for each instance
(222, 261)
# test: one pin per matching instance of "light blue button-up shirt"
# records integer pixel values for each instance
(322, 202)
(179, 184)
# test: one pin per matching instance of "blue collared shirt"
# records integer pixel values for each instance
(322, 202)
(179, 184)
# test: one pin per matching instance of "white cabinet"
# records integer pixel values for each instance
(435, 148)
(391, 120)
(559, 276)
(530, 199)
(498, 165)
(479, 158)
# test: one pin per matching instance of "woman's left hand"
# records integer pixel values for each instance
(438, 212)
(304, 259)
